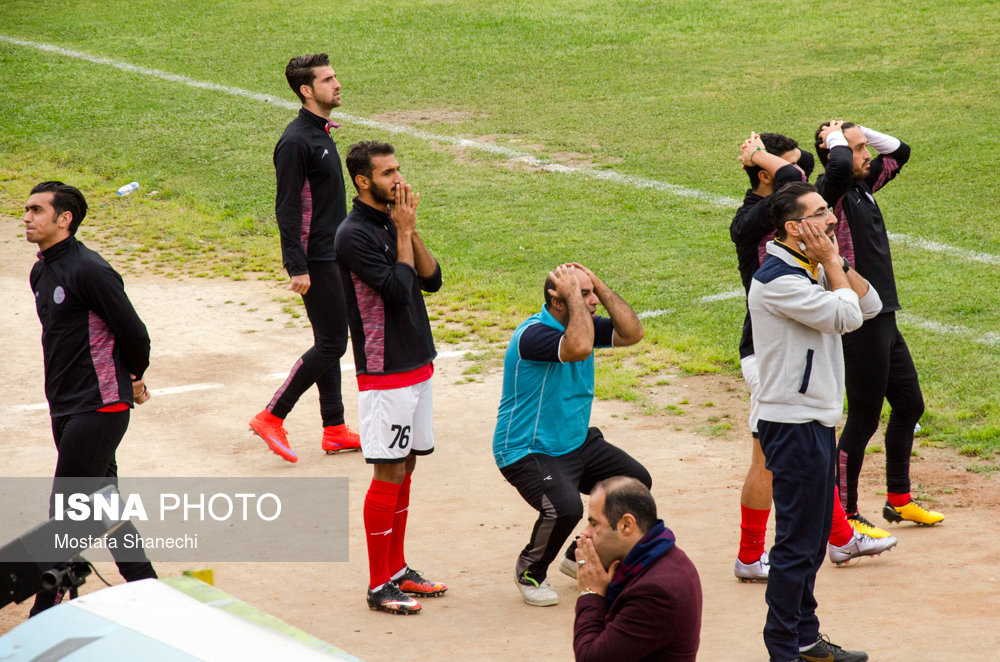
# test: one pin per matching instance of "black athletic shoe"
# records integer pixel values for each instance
(389, 598)
(825, 651)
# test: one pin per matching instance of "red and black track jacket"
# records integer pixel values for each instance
(92, 338)
(390, 331)
(310, 201)
(863, 239)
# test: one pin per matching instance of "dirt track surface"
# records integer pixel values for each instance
(935, 597)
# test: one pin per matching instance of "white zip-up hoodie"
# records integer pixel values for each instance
(797, 324)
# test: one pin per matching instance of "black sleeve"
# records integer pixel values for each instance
(433, 282)
(102, 290)
(885, 167)
(753, 222)
(365, 256)
(838, 176)
(291, 163)
(604, 332)
(540, 342)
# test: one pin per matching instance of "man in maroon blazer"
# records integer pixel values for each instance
(640, 596)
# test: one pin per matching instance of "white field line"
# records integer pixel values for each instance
(526, 158)
(531, 160)
(722, 296)
(172, 390)
(187, 388)
(989, 338)
(935, 247)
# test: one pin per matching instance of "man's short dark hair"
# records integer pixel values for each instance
(301, 71)
(359, 158)
(624, 494)
(822, 152)
(549, 285)
(65, 198)
(774, 143)
(785, 205)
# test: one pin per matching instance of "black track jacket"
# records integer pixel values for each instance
(310, 201)
(92, 338)
(390, 331)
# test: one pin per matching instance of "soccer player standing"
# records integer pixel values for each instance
(385, 267)
(309, 207)
(95, 349)
(877, 360)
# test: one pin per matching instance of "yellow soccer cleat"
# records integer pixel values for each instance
(866, 528)
(911, 512)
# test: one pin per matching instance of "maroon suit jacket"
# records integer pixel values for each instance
(657, 616)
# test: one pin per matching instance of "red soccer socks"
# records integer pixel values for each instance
(397, 560)
(379, 513)
(753, 527)
(841, 531)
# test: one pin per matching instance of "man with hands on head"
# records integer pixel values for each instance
(640, 596)
(878, 362)
(801, 300)
(772, 160)
(543, 442)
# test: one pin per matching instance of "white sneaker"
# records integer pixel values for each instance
(753, 572)
(568, 567)
(858, 546)
(536, 594)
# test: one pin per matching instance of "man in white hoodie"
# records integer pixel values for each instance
(801, 300)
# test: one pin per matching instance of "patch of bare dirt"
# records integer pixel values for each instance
(935, 597)
(428, 116)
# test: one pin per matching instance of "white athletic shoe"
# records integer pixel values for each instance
(860, 545)
(536, 594)
(753, 572)
(568, 567)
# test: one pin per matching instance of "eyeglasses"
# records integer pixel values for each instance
(818, 215)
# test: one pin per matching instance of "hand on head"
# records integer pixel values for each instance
(831, 127)
(748, 147)
(565, 280)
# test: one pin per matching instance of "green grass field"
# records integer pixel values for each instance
(662, 91)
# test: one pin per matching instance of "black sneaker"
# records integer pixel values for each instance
(825, 651)
(389, 598)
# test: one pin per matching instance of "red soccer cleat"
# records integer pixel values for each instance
(268, 427)
(340, 438)
(411, 582)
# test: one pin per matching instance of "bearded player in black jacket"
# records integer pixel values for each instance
(309, 206)
(877, 361)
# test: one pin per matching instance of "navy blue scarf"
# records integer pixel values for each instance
(657, 541)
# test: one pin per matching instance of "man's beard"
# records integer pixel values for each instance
(383, 196)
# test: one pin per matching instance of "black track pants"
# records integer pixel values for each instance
(878, 366)
(320, 365)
